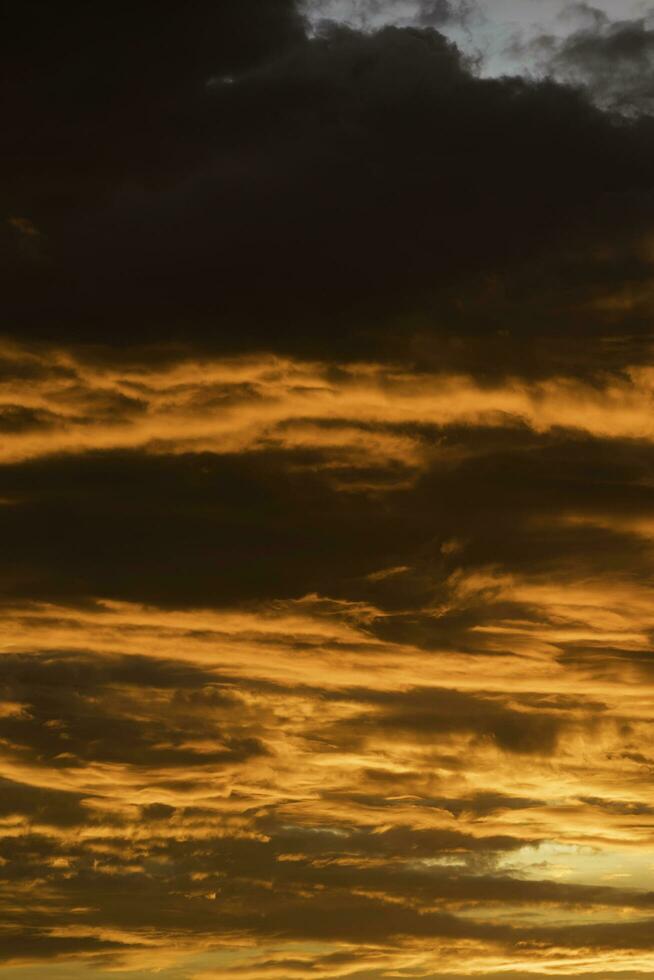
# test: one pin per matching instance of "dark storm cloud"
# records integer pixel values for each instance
(318, 170)
(123, 86)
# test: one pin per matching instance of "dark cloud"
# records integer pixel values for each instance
(201, 529)
(43, 806)
(329, 166)
(76, 712)
(39, 945)
(426, 714)
(233, 533)
(17, 418)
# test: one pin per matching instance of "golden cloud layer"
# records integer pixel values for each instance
(435, 765)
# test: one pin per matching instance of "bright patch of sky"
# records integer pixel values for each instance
(626, 867)
(497, 32)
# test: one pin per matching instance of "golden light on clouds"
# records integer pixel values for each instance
(327, 491)
(361, 413)
(434, 764)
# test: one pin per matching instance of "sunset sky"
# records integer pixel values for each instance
(327, 490)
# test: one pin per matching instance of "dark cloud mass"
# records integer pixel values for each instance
(237, 189)
(326, 494)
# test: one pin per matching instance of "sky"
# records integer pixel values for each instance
(503, 36)
(327, 491)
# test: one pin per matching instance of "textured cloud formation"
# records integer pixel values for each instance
(373, 14)
(347, 663)
(612, 59)
(603, 46)
(326, 468)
